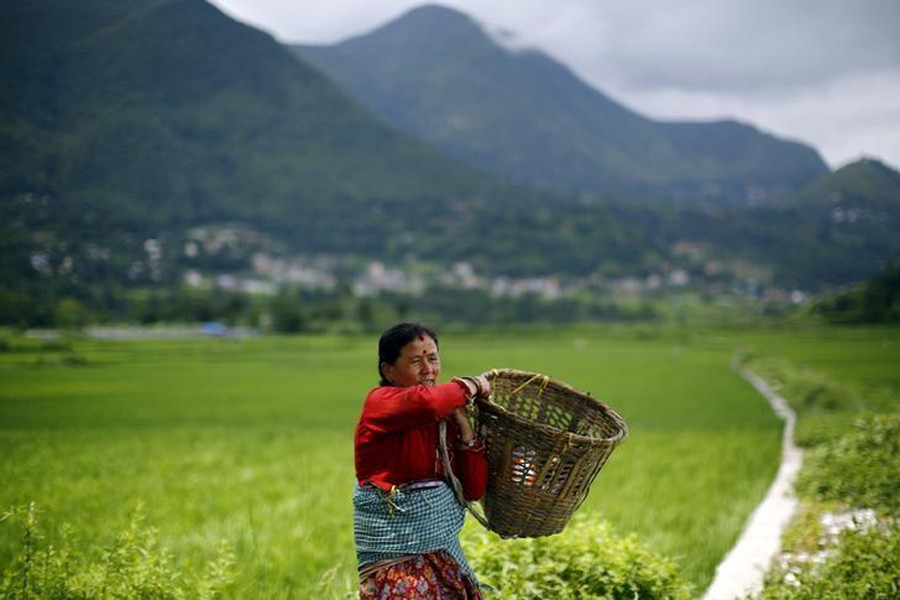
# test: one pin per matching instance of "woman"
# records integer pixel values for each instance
(406, 518)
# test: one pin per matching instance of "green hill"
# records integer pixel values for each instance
(866, 186)
(873, 302)
(435, 74)
(852, 217)
(159, 113)
(841, 229)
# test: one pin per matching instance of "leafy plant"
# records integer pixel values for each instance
(860, 468)
(587, 560)
(866, 564)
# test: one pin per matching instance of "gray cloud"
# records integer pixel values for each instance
(711, 44)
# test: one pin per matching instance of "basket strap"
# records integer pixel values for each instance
(451, 476)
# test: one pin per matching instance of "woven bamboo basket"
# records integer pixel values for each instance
(546, 442)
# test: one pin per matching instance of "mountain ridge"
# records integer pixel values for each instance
(436, 74)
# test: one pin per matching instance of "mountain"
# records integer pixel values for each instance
(152, 113)
(852, 214)
(435, 74)
(133, 133)
(838, 230)
(867, 190)
(123, 125)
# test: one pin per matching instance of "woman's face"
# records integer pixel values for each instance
(418, 364)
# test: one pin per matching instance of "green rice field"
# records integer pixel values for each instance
(248, 443)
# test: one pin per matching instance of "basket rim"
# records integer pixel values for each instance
(571, 437)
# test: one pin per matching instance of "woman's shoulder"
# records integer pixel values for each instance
(384, 398)
(452, 388)
(442, 397)
(382, 391)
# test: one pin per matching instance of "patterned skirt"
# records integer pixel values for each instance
(430, 576)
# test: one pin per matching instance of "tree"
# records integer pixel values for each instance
(70, 314)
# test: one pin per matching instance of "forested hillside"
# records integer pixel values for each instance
(436, 74)
(876, 301)
(146, 116)
(158, 144)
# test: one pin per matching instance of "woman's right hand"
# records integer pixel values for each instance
(477, 385)
(484, 386)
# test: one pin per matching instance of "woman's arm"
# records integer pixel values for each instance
(390, 409)
(471, 464)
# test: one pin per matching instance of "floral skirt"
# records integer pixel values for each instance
(422, 577)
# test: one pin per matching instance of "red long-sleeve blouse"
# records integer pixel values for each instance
(396, 438)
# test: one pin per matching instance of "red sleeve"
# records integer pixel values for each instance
(473, 470)
(470, 466)
(390, 409)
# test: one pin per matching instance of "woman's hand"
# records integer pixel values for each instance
(484, 386)
(476, 386)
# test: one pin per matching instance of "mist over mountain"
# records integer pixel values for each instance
(435, 74)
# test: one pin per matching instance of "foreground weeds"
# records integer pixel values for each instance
(133, 565)
(586, 561)
(845, 540)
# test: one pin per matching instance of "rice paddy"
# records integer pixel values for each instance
(249, 442)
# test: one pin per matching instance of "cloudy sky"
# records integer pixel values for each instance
(825, 72)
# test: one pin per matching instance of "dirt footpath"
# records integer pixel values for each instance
(741, 572)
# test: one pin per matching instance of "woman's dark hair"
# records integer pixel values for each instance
(394, 339)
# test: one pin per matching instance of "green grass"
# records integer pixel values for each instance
(250, 442)
(246, 442)
(856, 356)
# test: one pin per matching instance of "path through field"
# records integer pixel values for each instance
(741, 572)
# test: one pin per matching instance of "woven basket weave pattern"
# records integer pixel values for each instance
(546, 442)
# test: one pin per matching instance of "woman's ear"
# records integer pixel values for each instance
(386, 369)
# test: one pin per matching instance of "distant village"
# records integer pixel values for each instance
(240, 260)
(269, 272)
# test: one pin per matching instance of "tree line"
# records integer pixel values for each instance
(875, 302)
(297, 310)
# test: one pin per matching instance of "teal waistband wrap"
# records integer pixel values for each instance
(403, 522)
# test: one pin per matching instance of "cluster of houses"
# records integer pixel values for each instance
(269, 274)
(267, 271)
